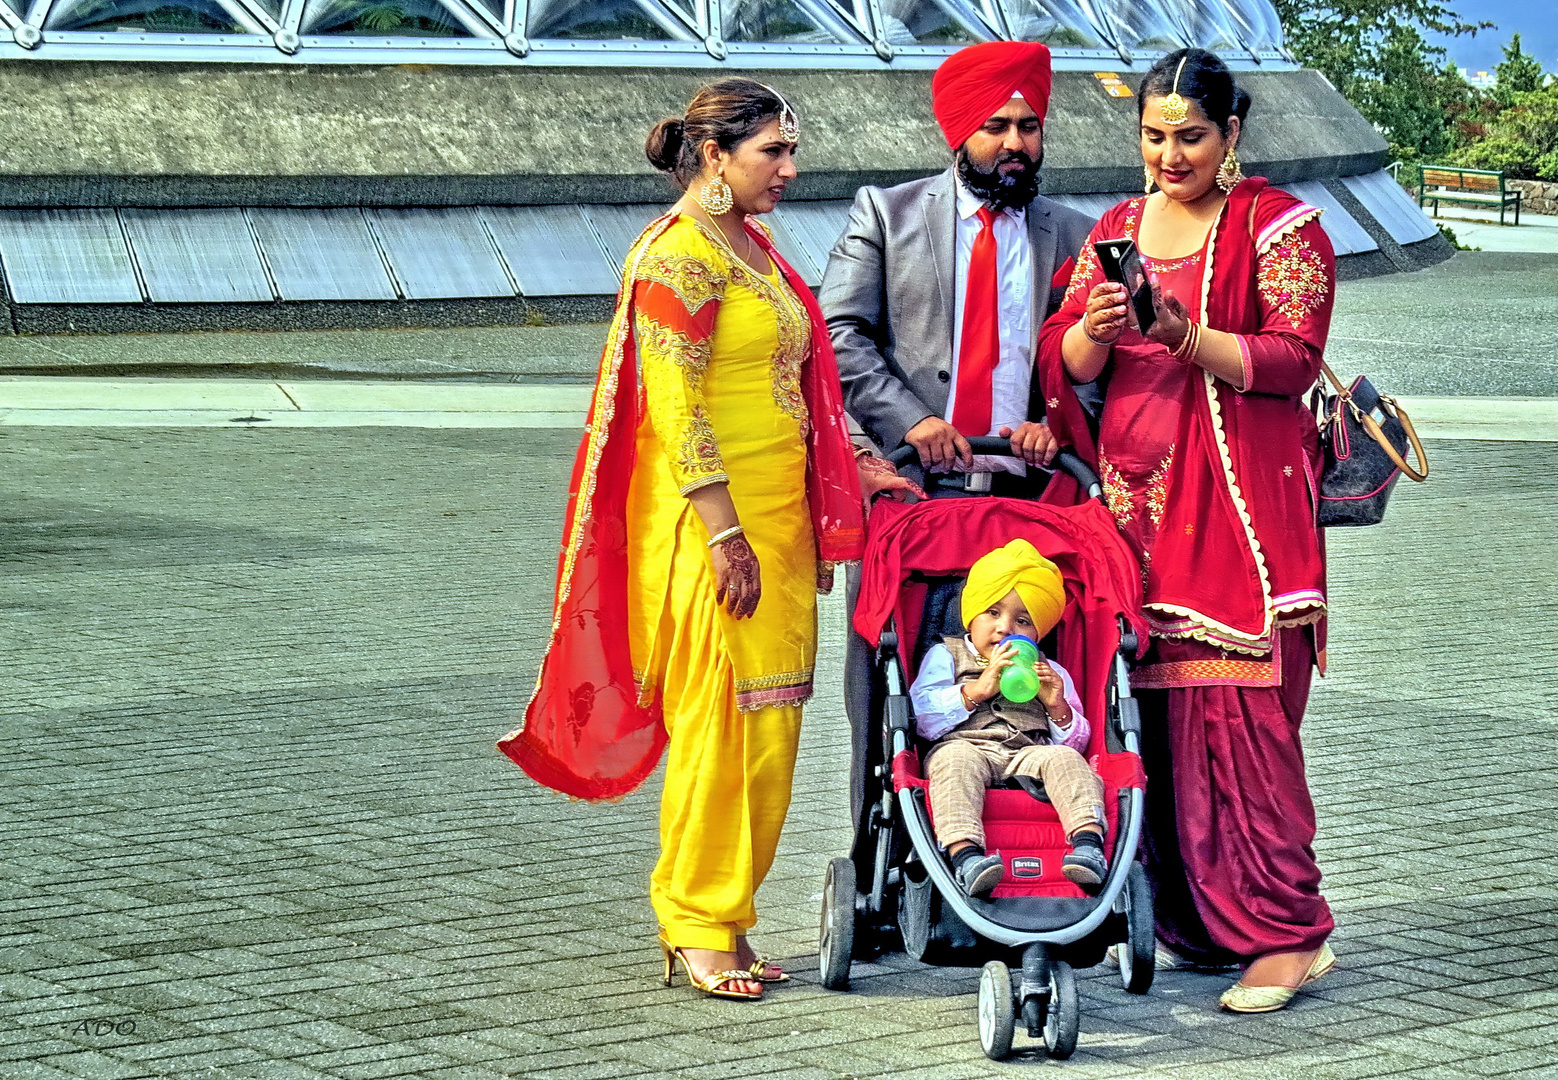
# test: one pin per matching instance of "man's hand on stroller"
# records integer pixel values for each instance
(939, 443)
(1032, 442)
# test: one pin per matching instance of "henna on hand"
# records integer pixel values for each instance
(1173, 321)
(878, 475)
(742, 583)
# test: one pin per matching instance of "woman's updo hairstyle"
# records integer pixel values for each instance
(1205, 79)
(729, 111)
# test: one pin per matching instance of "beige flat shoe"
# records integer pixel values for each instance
(1261, 999)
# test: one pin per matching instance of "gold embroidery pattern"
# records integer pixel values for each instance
(794, 343)
(1117, 493)
(1203, 672)
(700, 457)
(1084, 271)
(693, 281)
(1292, 279)
(1157, 490)
(671, 346)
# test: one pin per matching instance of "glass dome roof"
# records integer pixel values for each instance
(699, 33)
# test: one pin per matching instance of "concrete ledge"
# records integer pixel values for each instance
(46, 401)
(164, 318)
(1495, 419)
(179, 134)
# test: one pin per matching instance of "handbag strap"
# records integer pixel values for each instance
(1372, 428)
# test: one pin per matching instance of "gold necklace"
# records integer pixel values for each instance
(731, 247)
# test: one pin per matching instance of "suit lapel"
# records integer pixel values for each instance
(941, 227)
(1041, 247)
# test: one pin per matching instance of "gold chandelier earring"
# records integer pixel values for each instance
(716, 197)
(1148, 174)
(1229, 174)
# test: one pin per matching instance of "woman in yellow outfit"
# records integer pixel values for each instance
(714, 490)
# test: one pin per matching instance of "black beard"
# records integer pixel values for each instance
(1002, 191)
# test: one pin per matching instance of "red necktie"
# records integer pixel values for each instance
(981, 344)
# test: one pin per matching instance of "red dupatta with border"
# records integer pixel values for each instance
(584, 733)
(1210, 577)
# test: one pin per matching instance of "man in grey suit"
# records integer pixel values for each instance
(934, 296)
(906, 301)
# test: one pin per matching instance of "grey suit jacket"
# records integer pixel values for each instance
(889, 297)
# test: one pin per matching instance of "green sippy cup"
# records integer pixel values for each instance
(1019, 682)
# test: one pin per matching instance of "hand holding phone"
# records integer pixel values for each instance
(1121, 263)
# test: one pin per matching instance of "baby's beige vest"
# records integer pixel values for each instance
(1028, 718)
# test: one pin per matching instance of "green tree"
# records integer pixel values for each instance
(1351, 41)
(1522, 139)
(1375, 53)
(1520, 73)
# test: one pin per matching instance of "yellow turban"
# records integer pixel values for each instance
(1018, 566)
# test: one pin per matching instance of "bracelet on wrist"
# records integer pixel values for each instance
(1190, 344)
(1089, 335)
(727, 534)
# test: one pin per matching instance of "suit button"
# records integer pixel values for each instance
(944, 376)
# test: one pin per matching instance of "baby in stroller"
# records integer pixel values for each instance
(982, 737)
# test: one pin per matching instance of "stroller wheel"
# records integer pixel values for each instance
(1065, 1011)
(997, 1016)
(836, 936)
(1138, 952)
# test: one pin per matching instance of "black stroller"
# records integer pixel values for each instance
(897, 891)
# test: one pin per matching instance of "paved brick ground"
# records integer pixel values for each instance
(251, 806)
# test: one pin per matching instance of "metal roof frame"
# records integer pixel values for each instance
(695, 25)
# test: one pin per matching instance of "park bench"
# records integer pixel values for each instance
(1479, 187)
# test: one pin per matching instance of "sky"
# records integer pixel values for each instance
(1536, 20)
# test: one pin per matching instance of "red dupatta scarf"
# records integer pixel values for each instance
(1209, 577)
(584, 733)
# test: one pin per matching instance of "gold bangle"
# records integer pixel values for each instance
(720, 537)
(1190, 344)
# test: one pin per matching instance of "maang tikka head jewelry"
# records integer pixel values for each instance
(789, 122)
(1175, 109)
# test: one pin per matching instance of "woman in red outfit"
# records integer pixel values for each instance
(1210, 463)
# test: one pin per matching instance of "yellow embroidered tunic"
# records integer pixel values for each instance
(720, 351)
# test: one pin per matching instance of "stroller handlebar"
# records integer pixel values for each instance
(993, 446)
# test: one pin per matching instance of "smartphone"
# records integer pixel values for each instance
(1121, 263)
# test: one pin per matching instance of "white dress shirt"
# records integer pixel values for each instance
(1014, 278)
(939, 707)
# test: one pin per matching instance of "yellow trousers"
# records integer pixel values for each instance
(727, 782)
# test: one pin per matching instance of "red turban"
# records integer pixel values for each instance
(974, 83)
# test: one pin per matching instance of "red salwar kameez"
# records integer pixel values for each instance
(1214, 487)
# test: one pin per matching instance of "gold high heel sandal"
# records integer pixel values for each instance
(759, 969)
(1260, 999)
(714, 985)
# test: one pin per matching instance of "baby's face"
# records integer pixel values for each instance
(1003, 618)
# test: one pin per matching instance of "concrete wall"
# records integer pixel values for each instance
(150, 134)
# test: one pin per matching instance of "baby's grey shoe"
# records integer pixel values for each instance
(981, 874)
(1085, 865)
